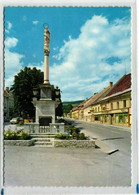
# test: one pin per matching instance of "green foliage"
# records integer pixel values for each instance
(73, 103)
(10, 135)
(78, 136)
(19, 135)
(82, 136)
(20, 123)
(67, 108)
(62, 136)
(72, 130)
(75, 135)
(59, 110)
(22, 89)
(24, 135)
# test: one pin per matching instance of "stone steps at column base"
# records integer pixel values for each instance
(41, 139)
(42, 135)
(43, 143)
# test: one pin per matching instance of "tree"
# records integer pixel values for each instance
(24, 82)
(67, 108)
(59, 110)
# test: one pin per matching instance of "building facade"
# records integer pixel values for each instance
(111, 106)
(116, 105)
(8, 104)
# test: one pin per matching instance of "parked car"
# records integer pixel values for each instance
(14, 120)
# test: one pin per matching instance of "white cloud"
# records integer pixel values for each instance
(84, 68)
(35, 22)
(39, 66)
(13, 60)
(55, 48)
(11, 42)
(9, 26)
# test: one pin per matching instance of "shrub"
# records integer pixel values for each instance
(19, 131)
(24, 135)
(19, 135)
(75, 135)
(75, 130)
(62, 136)
(21, 123)
(10, 135)
(82, 136)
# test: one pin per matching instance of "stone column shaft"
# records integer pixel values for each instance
(46, 54)
(46, 68)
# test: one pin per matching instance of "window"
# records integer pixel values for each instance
(111, 106)
(98, 109)
(117, 105)
(124, 103)
(95, 109)
(96, 118)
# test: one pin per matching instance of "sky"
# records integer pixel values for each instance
(89, 46)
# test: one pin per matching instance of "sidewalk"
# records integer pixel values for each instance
(122, 128)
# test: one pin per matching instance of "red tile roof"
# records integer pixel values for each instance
(80, 106)
(121, 85)
(95, 97)
(75, 108)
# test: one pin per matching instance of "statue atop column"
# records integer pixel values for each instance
(46, 41)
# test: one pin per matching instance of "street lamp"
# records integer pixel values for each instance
(35, 91)
(57, 91)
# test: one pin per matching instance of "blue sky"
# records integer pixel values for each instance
(89, 47)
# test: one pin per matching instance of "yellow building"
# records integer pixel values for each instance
(115, 107)
(110, 106)
(75, 113)
(88, 109)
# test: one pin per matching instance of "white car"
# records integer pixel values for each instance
(14, 121)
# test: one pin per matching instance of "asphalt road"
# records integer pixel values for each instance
(115, 136)
(31, 166)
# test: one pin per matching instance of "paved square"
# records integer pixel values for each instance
(32, 166)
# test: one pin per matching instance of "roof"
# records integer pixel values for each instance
(75, 108)
(80, 106)
(95, 97)
(123, 84)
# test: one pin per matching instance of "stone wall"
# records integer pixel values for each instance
(19, 142)
(74, 143)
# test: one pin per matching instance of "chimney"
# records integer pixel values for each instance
(7, 89)
(111, 84)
